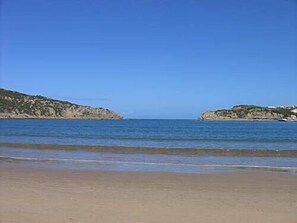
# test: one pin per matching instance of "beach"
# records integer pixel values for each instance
(56, 195)
(148, 111)
(147, 171)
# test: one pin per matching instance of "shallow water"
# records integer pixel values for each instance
(89, 160)
(182, 134)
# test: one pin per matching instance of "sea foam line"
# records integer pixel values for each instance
(276, 168)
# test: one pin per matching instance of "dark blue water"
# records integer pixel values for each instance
(149, 133)
(153, 133)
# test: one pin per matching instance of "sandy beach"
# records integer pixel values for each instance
(39, 195)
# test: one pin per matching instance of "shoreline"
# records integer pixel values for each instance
(206, 169)
(125, 119)
(159, 151)
(39, 195)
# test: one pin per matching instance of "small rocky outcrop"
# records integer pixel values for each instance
(252, 112)
(18, 105)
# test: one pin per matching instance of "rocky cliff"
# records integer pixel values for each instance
(18, 105)
(252, 112)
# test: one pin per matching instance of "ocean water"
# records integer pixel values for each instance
(153, 133)
(183, 134)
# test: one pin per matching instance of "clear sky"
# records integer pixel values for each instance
(152, 58)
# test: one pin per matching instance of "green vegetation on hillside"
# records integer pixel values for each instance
(14, 104)
(251, 112)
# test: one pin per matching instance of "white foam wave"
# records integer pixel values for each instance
(276, 168)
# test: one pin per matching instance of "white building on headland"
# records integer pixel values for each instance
(288, 107)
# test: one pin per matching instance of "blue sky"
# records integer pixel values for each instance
(152, 58)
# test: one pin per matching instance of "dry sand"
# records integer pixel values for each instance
(35, 195)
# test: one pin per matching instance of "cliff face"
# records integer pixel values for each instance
(251, 112)
(17, 105)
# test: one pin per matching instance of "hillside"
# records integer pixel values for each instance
(18, 105)
(252, 112)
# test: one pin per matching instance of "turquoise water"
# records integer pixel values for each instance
(149, 133)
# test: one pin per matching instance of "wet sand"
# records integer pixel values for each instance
(47, 196)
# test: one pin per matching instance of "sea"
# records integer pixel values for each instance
(170, 145)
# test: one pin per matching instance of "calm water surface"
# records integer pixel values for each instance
(153, 133)
(149, 133)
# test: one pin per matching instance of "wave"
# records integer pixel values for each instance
(104, 162)
(165, 151)
(159, 139)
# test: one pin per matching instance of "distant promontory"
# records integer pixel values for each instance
(18, 105)
(253, 112)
